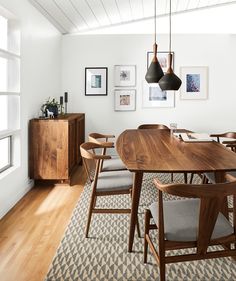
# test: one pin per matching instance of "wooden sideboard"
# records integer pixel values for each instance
(55, 146)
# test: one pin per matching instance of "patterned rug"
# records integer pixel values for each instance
(104, 256)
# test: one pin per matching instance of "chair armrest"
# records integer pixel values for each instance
(230, 178)
(102, 157)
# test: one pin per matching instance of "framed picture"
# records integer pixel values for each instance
(162, 58)
(153, 96)
(125, 75)
(194, 82)
(95, 81)
(125, 100)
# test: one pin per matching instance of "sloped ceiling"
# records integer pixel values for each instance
(77, 16)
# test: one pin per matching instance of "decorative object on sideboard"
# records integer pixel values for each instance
(125, 100)
(61, 105)
(96, 81)
(195, 82)
(50, 108)
(154, 72)
(170, 81)
(153, 96)
(66, 101)
(125, 75)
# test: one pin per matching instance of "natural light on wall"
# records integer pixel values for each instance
(9, 90)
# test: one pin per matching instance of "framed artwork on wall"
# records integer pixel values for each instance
(125, 100)
(162, 58)
(95, 81)
(194, 82)
(153, 96)
(125, 75)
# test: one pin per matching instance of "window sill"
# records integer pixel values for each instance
(8, 172)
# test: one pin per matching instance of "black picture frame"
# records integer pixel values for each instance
(96, 81)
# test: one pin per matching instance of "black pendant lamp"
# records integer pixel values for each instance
(170, 81)
(154, 72)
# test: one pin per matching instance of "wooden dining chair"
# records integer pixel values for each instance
(231, 144)
(104, 183)
(161, 126)
(190, 223)
(112, 164)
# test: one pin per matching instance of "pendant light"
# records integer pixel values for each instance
(154, 72)
(170, 81)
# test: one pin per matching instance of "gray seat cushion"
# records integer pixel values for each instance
(115, 181)
(113, 164)
(211, 176)
(181, 220)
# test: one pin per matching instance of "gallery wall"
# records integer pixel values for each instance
(216, 114)
(40, 78)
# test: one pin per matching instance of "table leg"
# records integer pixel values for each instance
(138, 177)
(219, 178)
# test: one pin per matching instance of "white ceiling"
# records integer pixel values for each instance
(79, 16)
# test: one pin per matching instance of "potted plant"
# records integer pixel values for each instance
(51, 105)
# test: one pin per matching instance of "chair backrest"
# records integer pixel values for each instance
(224, 135)
(88, 152)
(99, 138)
(153, 126)
(212, 198)
(232, 146)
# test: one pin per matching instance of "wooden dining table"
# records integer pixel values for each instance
(159, 151)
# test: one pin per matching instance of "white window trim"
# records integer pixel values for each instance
(6, 54)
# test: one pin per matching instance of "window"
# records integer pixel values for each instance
(9, 89)
(5, 150)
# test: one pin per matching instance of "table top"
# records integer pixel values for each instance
(155, 150)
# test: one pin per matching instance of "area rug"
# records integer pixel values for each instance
(104, 256)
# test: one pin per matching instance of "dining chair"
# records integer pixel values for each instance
(104, 183)
(196, 222)
(231, 144)
(112, 164)
(161, 126)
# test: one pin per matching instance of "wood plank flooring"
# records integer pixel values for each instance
(31, 232)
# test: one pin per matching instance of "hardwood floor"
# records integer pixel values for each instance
(31, 232)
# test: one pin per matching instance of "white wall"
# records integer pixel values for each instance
(40, 78)
(217, 114)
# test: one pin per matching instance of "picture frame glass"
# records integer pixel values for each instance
(125, 100)
(125, 75)
(153, 96)
(194, 82)
(162, 58)
(96, 81)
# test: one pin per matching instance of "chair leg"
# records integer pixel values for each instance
(172, 177)
(185, 177)
(162, 267)
(191, 178)
(138, 228)
(91, 207)
(146, 232)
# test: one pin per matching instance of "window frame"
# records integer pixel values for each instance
(12, 54)
(9, 165)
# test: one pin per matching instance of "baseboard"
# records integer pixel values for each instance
(13, 201)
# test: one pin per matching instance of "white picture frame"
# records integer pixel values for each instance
(125, 99)
(153, 96)
(194, 82)
(96, 81)
(162, 58)
(125, 75)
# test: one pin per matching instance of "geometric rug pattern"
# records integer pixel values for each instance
(104, 256)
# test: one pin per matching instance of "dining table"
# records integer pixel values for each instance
(160, 151)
